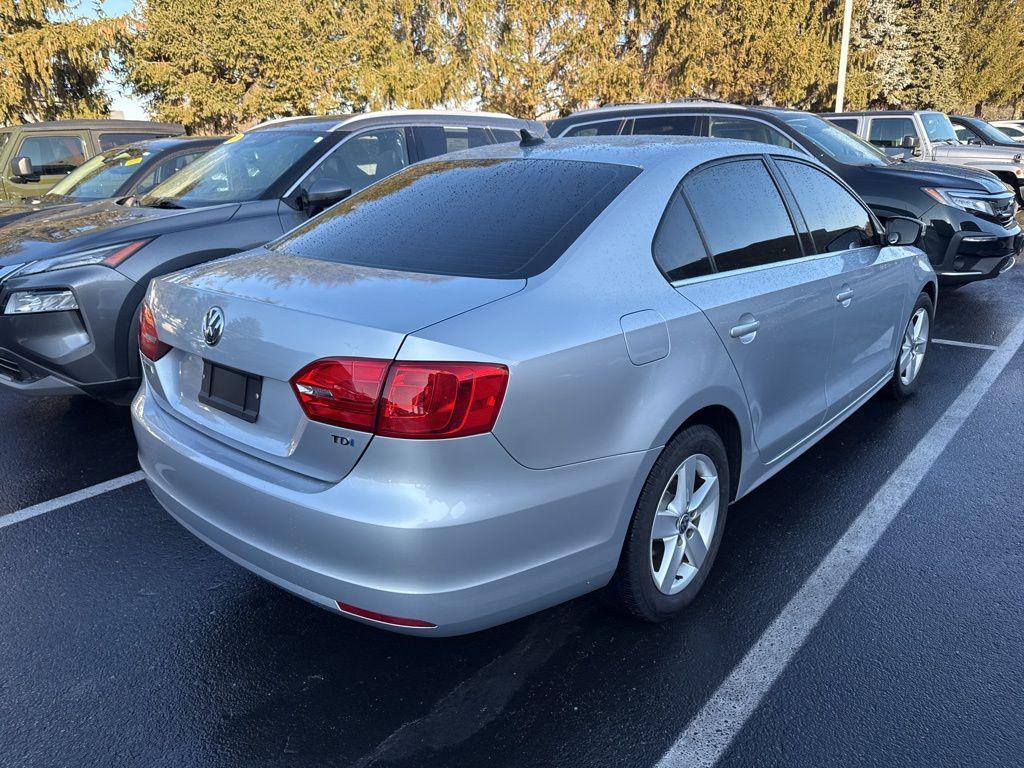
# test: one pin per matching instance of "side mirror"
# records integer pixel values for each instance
(902, 230)
(910, 142)
(21, 167)
(323, 193)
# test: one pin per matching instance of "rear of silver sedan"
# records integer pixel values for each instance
(281, 423)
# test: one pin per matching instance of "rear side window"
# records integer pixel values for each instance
(665, 125)
(111, 140)
(834, 217)
(741, 213)
(745, 130)
(435, 140)
(504, 135)
(846, 123)
(477, 218)
(889, 131)
(605, 128)
(678, 249)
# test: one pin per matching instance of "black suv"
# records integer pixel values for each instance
(970, 228)
(72, 280)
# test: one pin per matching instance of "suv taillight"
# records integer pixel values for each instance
(149, 344)
(403, 399)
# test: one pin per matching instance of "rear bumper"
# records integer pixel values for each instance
(453, 532)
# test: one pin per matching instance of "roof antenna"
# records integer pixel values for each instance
(530, 137)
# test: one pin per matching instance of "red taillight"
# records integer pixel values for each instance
(441, 399)
(403, 399)
(149, 344)
(341, 391)
(396, 621)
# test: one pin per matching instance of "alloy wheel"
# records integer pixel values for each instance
(915, 344)
(684, 524)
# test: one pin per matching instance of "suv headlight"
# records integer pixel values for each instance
(31, 302)
(108, 256)
(964, 199)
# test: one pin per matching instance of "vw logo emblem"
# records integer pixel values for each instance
(213, 325)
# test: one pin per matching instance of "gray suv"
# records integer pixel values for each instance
(72, 280)
(928, 135)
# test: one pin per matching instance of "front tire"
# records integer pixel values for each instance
(676, 529)
(913, 349)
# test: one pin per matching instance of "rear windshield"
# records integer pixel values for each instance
(475, 218)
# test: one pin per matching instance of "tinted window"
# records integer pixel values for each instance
(111, 140)
(665, 125)
(746, 130)
(678, 249)
(504, 135)
(101, 176)
(889, 131)
(846, 123)
(435, 140)
(606, 128)
(831, 139)
(53, 154)
(363, 159)
(164, 170)
(964, 133)
(834, 217)
(741, 214)
(479, 218)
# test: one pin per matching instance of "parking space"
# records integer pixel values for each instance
(128, 642)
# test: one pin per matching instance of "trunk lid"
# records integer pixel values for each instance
(281, 313)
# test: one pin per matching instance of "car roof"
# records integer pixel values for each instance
(877, 113)
(633, 108)
(329, 123)
(99, 124)
(638, 151)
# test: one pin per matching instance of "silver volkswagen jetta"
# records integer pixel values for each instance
(505, 378)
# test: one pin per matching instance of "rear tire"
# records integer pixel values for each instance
(676, 529)
(913, 353)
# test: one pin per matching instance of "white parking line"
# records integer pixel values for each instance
(969, 344)
(70, 498)
(711, 731)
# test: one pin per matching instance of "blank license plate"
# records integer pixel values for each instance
(232, 391)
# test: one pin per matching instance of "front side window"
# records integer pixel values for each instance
(164, 169)
(665, 125)
(111, 140)
(678, 249)
(476, 218)
(746, 130)
(963, 133)
(604, 128)
(101, 176)
(363, 159)
(435, 140)
(889, 132)
(53, 155)
(835, 219)
(741, 213)
(242, 168)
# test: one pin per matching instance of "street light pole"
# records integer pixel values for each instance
(844, 54)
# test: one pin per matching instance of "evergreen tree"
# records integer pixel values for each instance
(51, 65)
(936, 63)
(991, 52)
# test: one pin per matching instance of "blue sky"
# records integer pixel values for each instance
(125, 102)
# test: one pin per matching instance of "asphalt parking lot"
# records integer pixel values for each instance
(126, 642)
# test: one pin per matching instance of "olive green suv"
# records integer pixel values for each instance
(36, 156)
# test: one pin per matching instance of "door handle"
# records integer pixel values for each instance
(745, 329)
(844, 296)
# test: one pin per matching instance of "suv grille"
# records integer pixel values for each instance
(10, 369)
(1005, 207)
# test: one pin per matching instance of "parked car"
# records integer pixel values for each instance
(930, 135)
(502, 379)
(71, 281)
(1012, 128)
(36, 156)
(133, 169)
(974, 130)
(970, 231)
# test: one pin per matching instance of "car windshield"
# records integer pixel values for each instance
(242, 168)
(474, 218)
(100, 177)
(839, 144)
(990, 132)
(938, 127)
